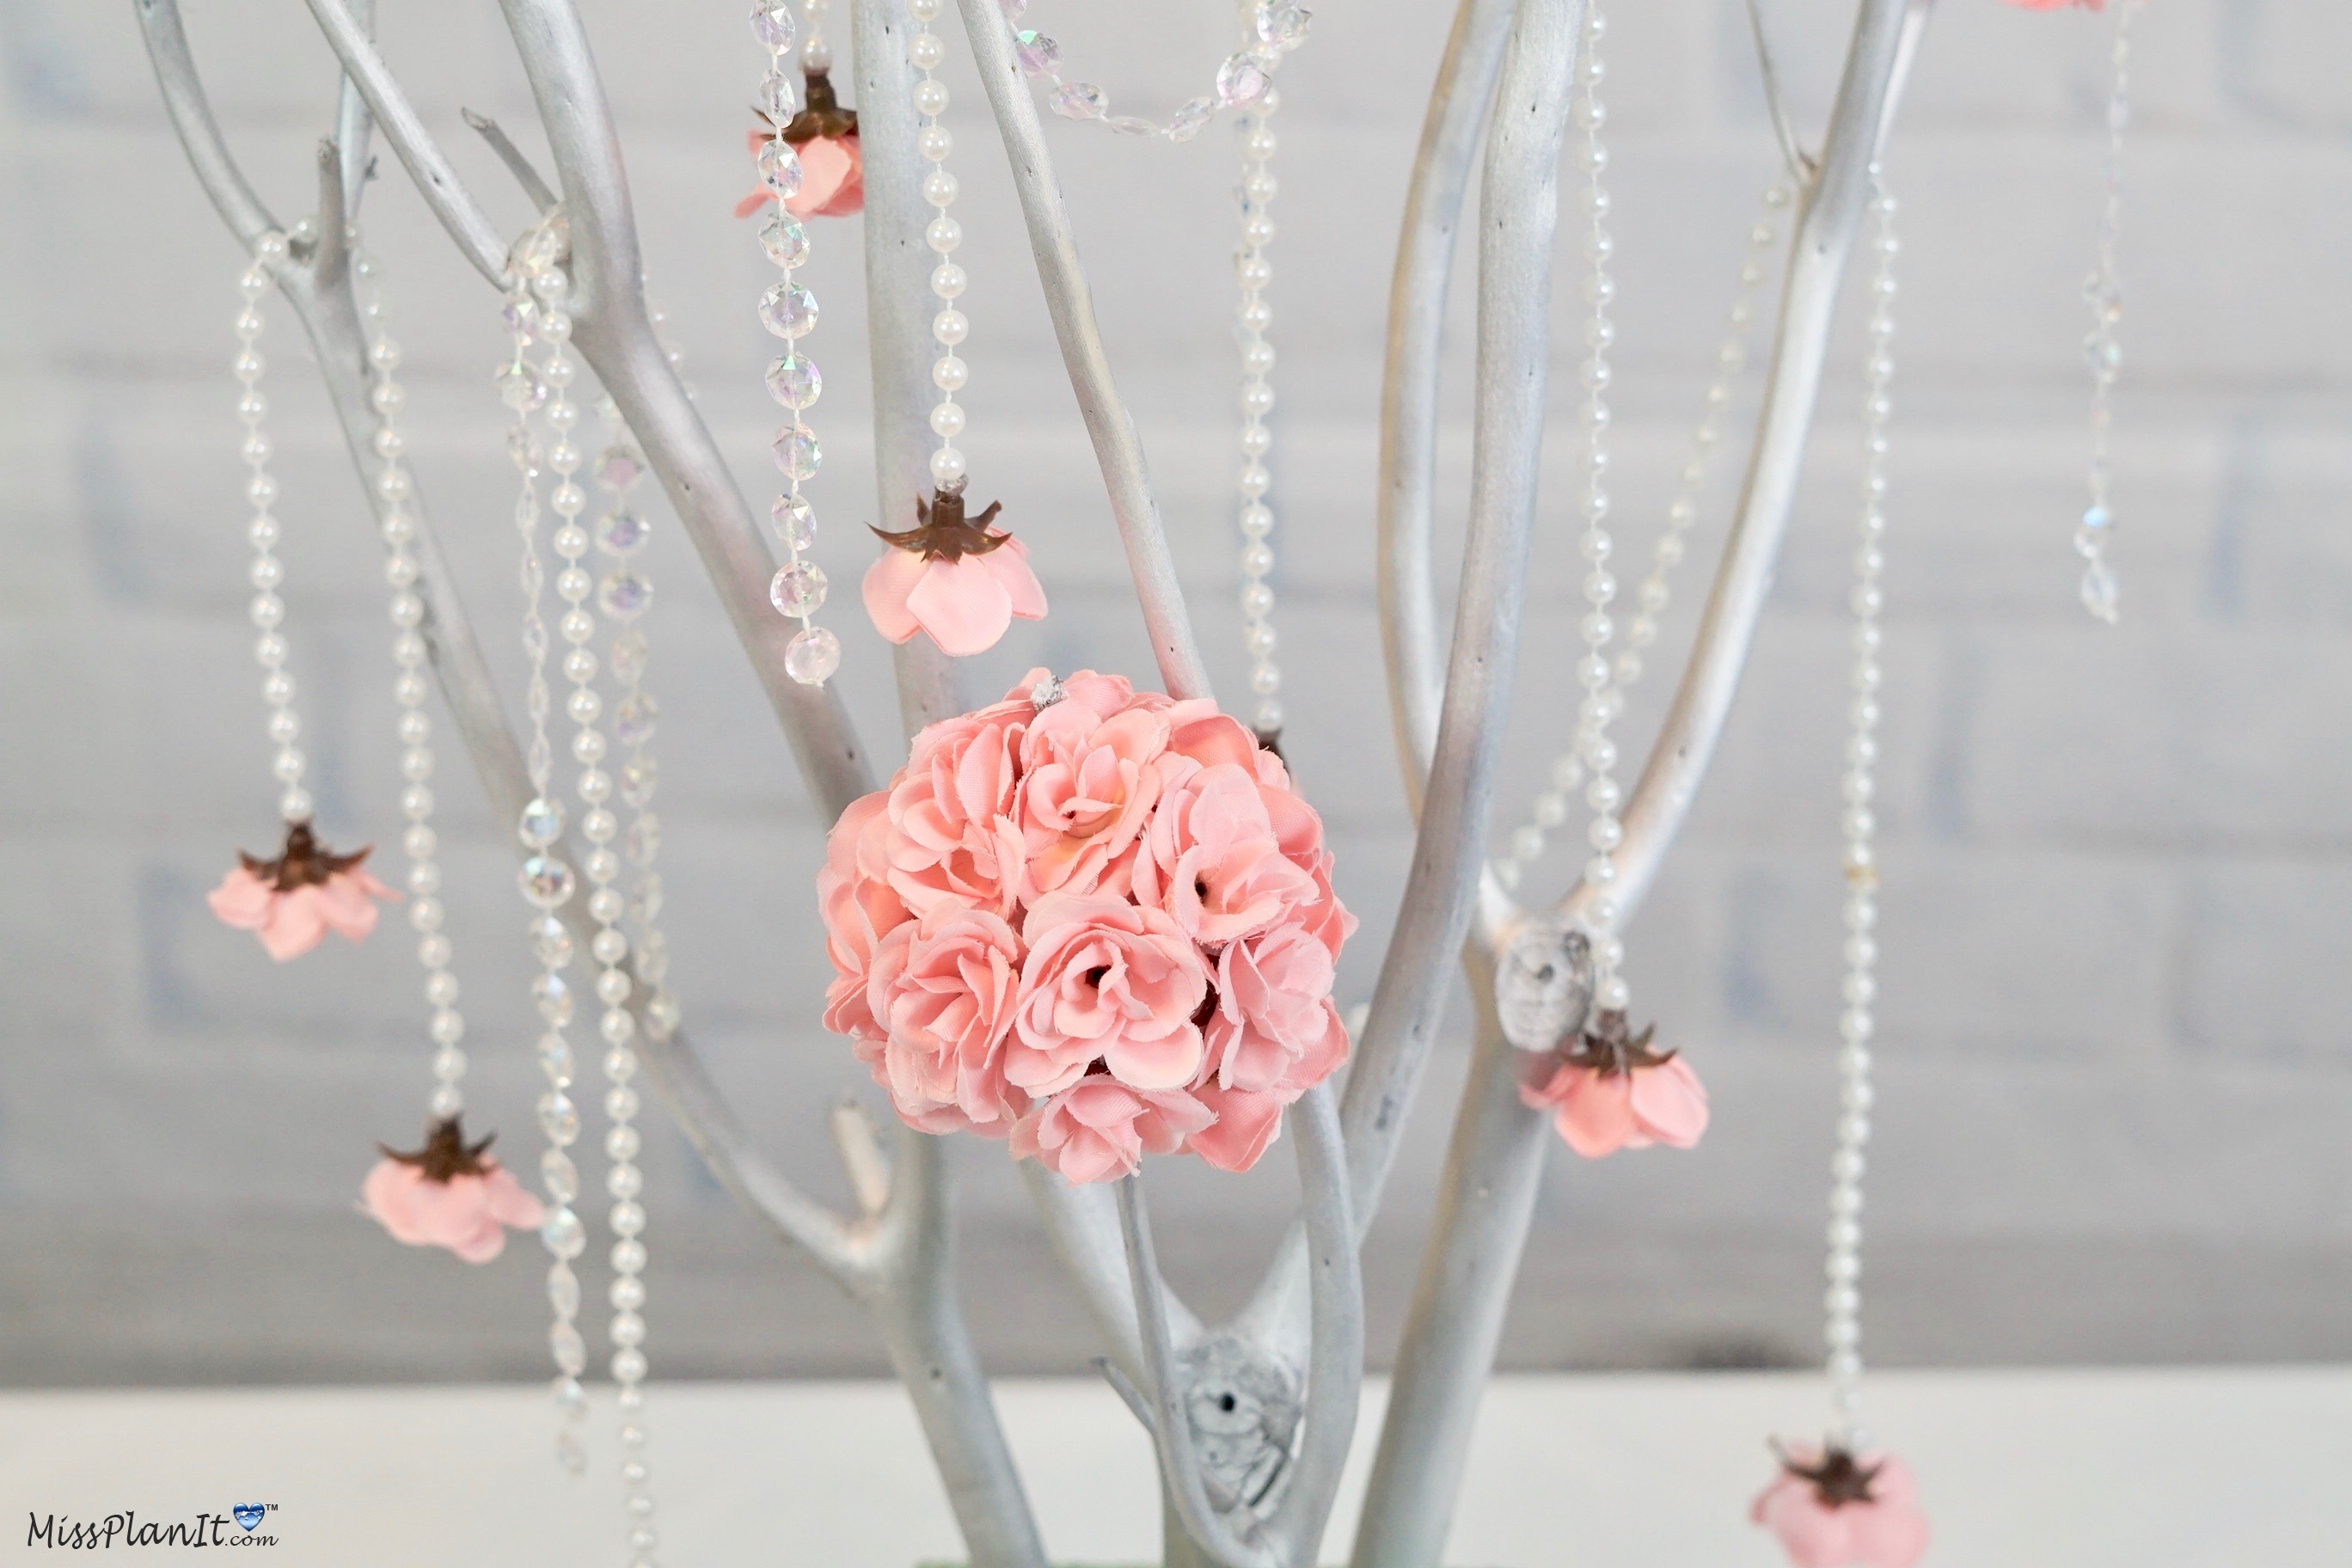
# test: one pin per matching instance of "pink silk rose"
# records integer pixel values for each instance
(1099, 1129)
(1247, 1123)
(1111, 981)
(1598, 1112)
(1275, 1028)
(292, 902)
(1835, 1511)
(859, 910)
(966, 604)
(1087, 789)
(943, 989)
(954, 836)
(448, 1194)
(1212, 861)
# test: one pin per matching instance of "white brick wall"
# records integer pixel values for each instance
(2117, 1073)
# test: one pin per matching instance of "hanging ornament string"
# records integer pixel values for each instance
(1271, 30)
(1840, 1500)
(790, 312)
(2102, 290)
(1551, 808)
(1254, 271)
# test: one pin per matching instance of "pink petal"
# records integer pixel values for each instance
(1596, 1119)
(389, 1195)
(1813, 1536)
(887, 583)
(509, 1203)
(851, 197)
(482, 1243)
(1670, 1102)
(962, 605)
(751, 203)
(825, 165)
(1163, 1064)
(1886, 1533)
(1010, 563)
(344, 905)
(1247, 1125)
(242, 900)
(295, 924)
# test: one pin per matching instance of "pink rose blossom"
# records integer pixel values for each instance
(1613, 1092)
(1212, 861)
(292, 902)
(860, 909)
(450, 1194)
(1835, 1511)
(1247, 1123)
(1098, 1129)
(965, 603)
(1112, 981)
(1087, 795)
(1275, 1028)
(943, 988)
(952, 834)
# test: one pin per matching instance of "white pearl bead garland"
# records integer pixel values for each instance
(396, 489)
(1274, 28)
(790, 312)
(2103, 291)
(1255, 271)
(1551, 808)
(546, 882)
(1841, 1299)
(949, 326)
(1593, 671)
(267, 573)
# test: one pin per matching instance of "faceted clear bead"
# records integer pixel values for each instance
(786, 241)
(625, 594)
(542, 822)
(565, 1236)
(1132, 125)
(1244, 79)
(520, 389)
(571, 1351)
(772, 23)
(2102, 594)
(796, 452)
(629, 653)
(622, 533)
(795, 521)
(550, 943)
(633, 721)
(779, 96)
(788, 310)
(1080, 101)
(798, 591)
(1038, 53)
(641, 842)
(1189, 120)
(559, 1118)
(780, 168)
(552, 995)
(793, 381)
(546, 881)
(1282, 24)
(618, 467)
(564, 1291)
(639, 776)
(555, 1061)
(811, 657)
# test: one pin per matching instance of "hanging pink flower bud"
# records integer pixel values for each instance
(1611, 1091)
(1832, 1509)
(448, 1194)
(292, 902)
(957, 580)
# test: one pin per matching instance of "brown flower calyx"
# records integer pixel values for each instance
(1838, 1479)
(943, 533)
(821, 115)
(446, 1155)
(1609, 1046)
(303, 863)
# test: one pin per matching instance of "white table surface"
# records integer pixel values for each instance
(2178, 1469)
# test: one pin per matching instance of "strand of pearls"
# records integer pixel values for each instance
(396, 489)
(1843, 1298)
(790, 312)
(1272, 28)
(1593, 671)
(267, 573)
(949, 327)
(1255, 271)
(1550, 809)
(2103, 291)
(546, 881)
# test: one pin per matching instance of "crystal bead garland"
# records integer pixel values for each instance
(1271, 29)
(1526, 842)
(1255, 271)
(622, 597)
(1593, 671)
(396, 491)
(2102, 290)
(546, 881)
(790, 312)
(267, 573)
(1843, 1300)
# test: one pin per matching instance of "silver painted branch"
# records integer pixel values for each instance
(1069, 301)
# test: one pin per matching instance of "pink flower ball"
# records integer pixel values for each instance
(1101, 925)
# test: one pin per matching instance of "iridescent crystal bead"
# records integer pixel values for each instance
(521, 388)
(780, 167)
(571, 1351)
(813, 655)
(795, 521)
(1038, 53)
(661, 1013)
(622, 533)
(639, 778)
(2102, 594)
(788, 310)
(551, 941)
(1189, 120)
(779, 96)
(1080, 101)
(793, 381)
(1242, 79)
(641, 842)
(1282, 24)
(559, 1118)
(624, 595)
(551, 995)
(542, 822)
(797, 453)
(798, 591)
(1132, 125)
(772, 23)
(786, 241)
(555, 1061)
(618, 467)
(629, 653)
(546, 881)
(634, 720)
(564, 1291)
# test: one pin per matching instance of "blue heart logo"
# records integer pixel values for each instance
(248, 1514)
